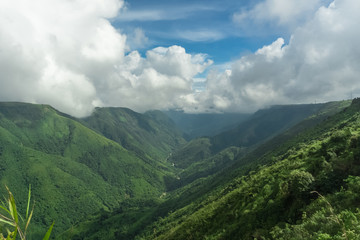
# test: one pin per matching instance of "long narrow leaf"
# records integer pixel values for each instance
(28, 203)
(48, 233)
(29, 219)
(12, 206)
(13, 211)
(6, 210)
(7, 222)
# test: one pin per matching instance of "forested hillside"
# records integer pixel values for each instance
(305, 189)
(277, 190)
(205, 156)
(74, 171)
(119, 174)
(151, 134)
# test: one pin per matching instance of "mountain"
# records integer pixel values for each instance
(261, 194)
(304, 188)
(205, 124)
(113, 175)
(267, 123)
(75, 171)
(205, 156)
(151, 134)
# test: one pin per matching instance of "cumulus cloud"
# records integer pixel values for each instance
(67, 54)
(159, 81)
(320, 63)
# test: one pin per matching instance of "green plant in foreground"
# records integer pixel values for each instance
(10, 216)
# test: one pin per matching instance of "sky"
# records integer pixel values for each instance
(198, 56)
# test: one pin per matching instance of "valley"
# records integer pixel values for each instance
(119, 174)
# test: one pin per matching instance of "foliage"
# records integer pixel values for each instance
(277, 200)
(151, 134)
(257, 189)
(70, 166)
(265, 124)
(11, 217)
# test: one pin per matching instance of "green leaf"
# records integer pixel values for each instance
(47, 235)
(29, 219)
(5, 209)
(7, 222)
(12, 206)
(28, 203)
(13, 211)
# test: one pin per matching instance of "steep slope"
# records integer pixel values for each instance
(205, 156)
(188, 207)
(265, 124)
(308, 189)
(151, 134)
(74, 172)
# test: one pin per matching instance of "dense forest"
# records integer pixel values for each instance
(286, 172)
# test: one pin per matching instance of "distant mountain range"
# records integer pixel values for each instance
(205, 124)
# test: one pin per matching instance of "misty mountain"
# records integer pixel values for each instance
(205, 156)
(206, 124)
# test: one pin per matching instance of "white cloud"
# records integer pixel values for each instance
(160, 12)
(275, 50)
(320, 63)
(67, 54)
(161, 80)
(175, 61)
(200, 35)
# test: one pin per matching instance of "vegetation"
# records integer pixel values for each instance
(309, 191)
(149, 135)
(12, 218)
(70, 167)
(124, 175)
(203, 157)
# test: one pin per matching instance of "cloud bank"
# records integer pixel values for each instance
(67, 54)
(320, 63)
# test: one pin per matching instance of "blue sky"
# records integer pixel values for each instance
(199, 56)
(199, 26)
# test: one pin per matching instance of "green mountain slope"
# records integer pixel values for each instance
(205, 156)
(151, 134)
(267, 123)
(74, 171)
(307, 189)
(184, 213)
